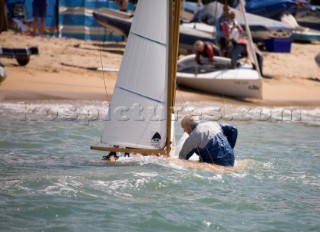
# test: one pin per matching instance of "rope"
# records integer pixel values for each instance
(101, 63)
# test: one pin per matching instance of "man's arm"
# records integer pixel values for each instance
(197, 58)
(210, 52)
(188, 148)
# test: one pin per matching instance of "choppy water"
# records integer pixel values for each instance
(48, 181)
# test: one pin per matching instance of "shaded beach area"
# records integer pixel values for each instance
(67, 69)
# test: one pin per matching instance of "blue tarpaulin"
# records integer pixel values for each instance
(76, 20)
(70, 18)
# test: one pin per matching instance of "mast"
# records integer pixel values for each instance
(176, 43)
(174, 23)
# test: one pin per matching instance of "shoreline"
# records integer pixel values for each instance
(64, 70)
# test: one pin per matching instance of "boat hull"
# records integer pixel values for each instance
(115, 21)
(120, 23)
(307, 35)
(242, 82)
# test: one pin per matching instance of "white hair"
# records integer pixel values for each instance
(188, 120)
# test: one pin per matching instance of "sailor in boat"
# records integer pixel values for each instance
(211, 141)
(205, 49)
(239, 43)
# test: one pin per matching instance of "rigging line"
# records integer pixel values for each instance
(223, 89)
(184, 102)
(218, 42)
(101, 63)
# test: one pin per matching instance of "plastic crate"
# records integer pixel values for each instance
(278, 45)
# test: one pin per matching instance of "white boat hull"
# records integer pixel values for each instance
(242, 82)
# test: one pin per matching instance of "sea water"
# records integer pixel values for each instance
(50, 180)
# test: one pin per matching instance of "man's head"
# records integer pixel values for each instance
(198, 46)
(188, 123)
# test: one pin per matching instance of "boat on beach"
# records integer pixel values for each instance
(300, 33)
(261, 28)
(218, 77)
(120, 22)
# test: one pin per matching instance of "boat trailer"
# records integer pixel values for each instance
(22, 55)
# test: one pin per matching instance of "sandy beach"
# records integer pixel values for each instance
(66, 69)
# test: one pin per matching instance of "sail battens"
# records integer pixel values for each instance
(149, 39)
(139, 94)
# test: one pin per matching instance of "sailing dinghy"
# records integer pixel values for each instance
(140, 112)
(219, 78)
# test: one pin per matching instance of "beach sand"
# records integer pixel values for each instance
(66, 69)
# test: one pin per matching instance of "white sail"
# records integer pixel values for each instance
(138, 109)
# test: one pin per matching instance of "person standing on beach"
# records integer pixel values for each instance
(39, 10)
(317, 59)
(123, 4)
(211, 141)
(236, 41)
(239, 43)
(3, 16)
(222, 30)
